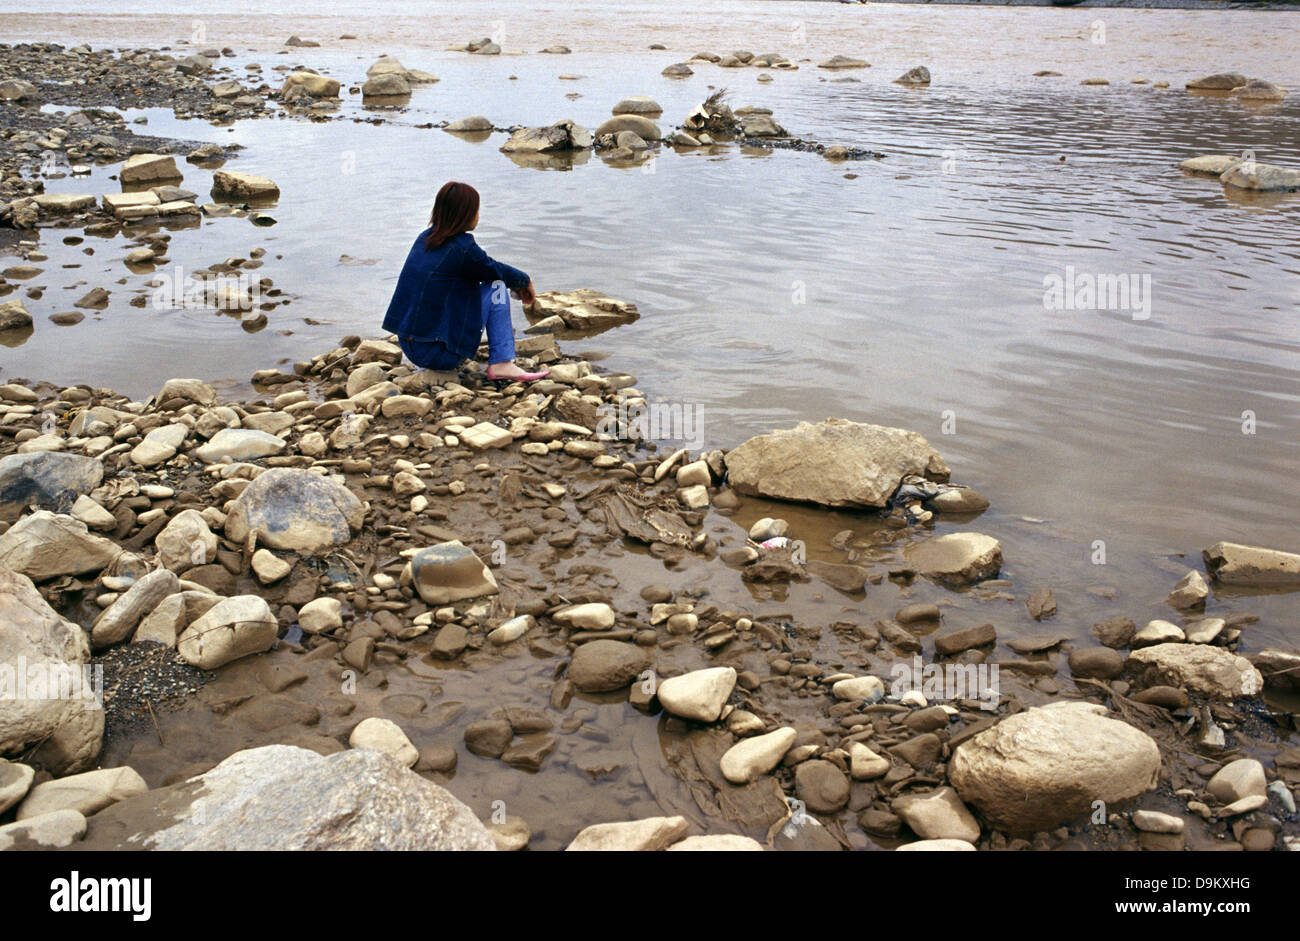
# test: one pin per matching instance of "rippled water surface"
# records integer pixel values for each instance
(777, 286)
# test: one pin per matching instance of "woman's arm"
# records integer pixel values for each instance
(479, 266)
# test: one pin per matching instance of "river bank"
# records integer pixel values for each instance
(602, 566)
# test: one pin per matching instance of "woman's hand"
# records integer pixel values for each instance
(527, 295)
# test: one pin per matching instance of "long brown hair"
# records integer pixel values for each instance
(453, 213)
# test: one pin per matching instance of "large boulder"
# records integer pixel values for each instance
(280, 797)
(1203, 668)
(33, 634)
(1235, 564)
(833, 463)
(230, 629)
(1049, 764)
(46, 545)
(297, 510)
(45, 478)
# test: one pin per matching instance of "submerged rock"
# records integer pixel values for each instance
(295, 509)
(833, 463)
(844, 62)
(280, 797)
(1259, 90)
(1050, 763)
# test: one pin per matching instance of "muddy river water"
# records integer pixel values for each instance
(777, 286)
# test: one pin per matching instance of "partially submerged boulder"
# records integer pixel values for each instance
(1234, 564)
(919, 75)
(564, 135)
(583, 311)
(1262, 177)
(1219, 81)
(280, 797)
(295, 509)
(1210, 164)
(1048, 764)
(835, 463)
(244, 186)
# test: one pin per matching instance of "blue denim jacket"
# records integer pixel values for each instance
(437, 297)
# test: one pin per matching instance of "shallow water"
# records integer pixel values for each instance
(921, 274)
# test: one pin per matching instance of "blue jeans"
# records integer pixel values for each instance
(496, 320)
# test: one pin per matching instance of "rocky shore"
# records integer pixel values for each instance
(323, 614)
(270, 557)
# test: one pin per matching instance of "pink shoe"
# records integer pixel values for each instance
(523, 377)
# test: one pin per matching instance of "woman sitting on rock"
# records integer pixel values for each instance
(450, 290)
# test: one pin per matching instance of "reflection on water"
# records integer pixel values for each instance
(777, 286)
